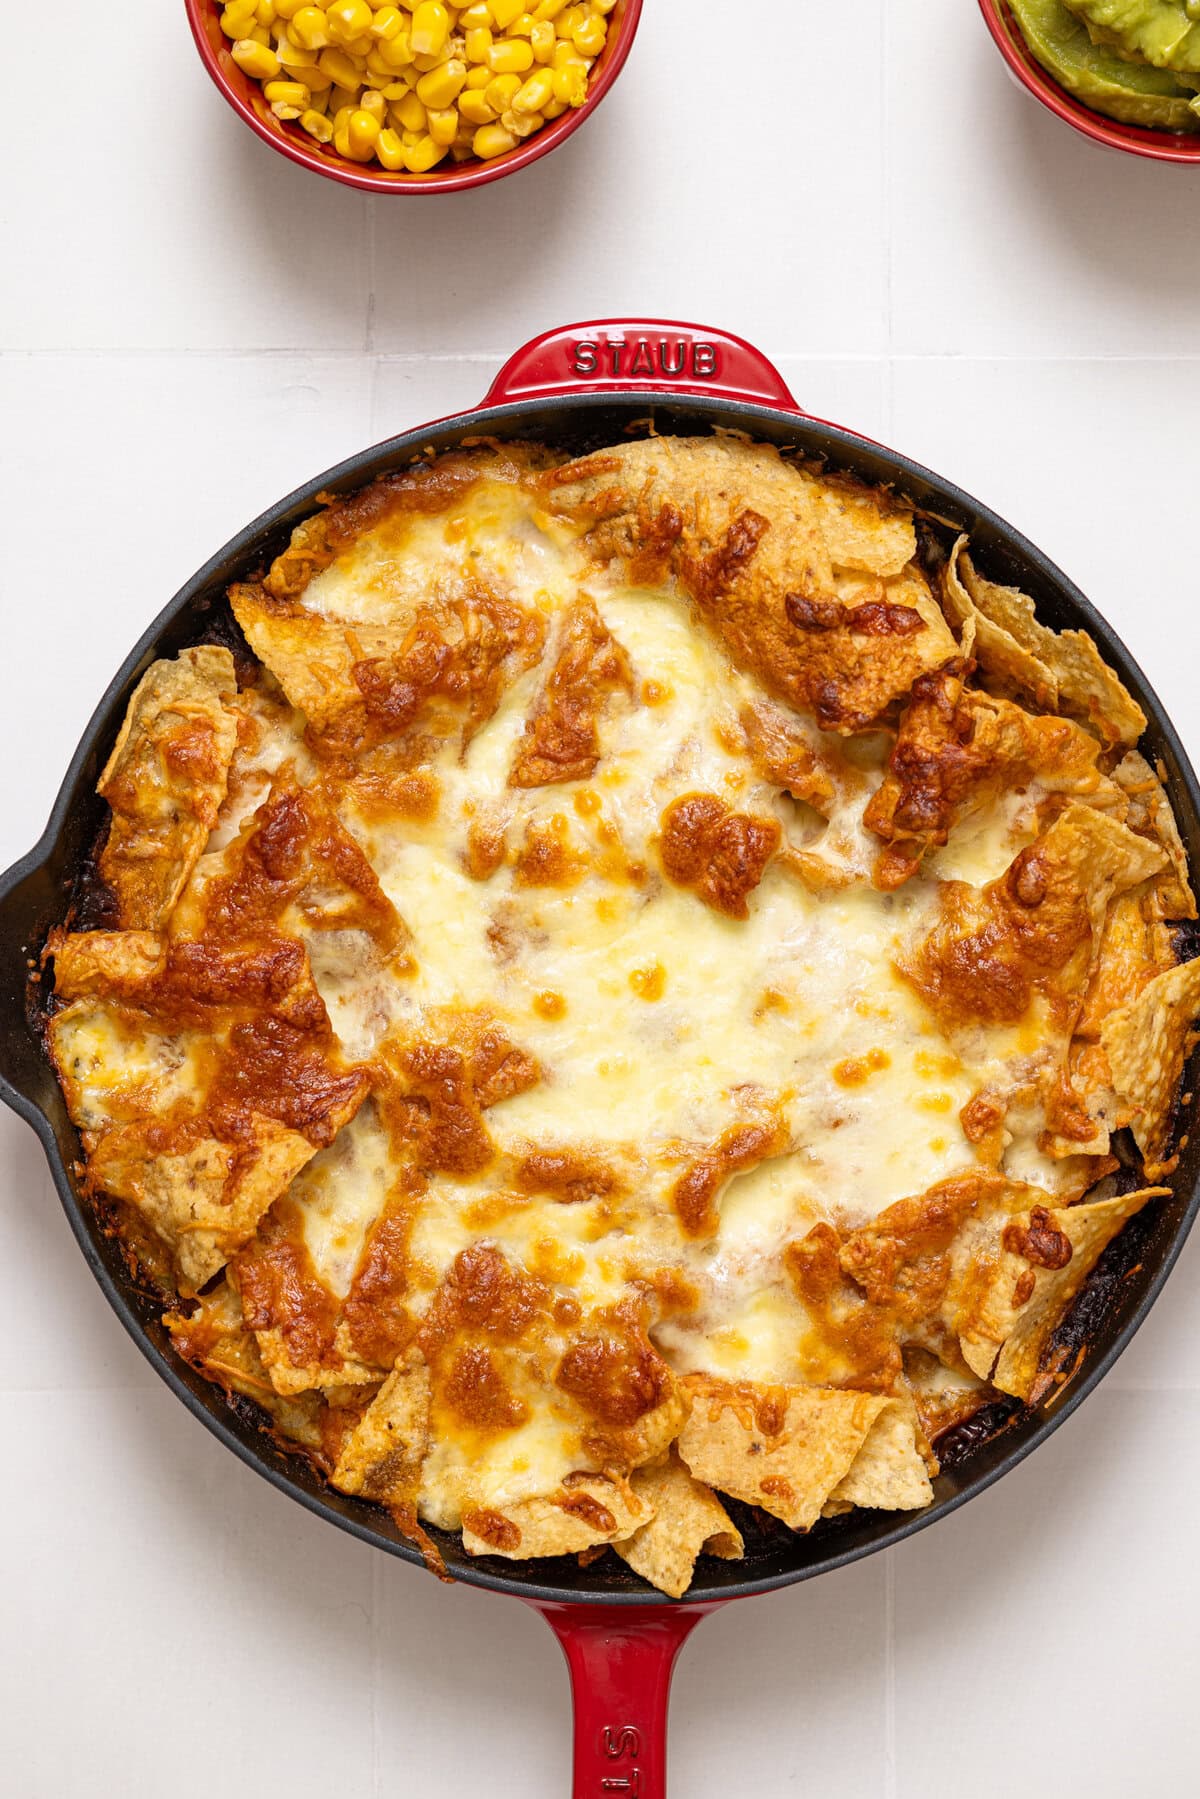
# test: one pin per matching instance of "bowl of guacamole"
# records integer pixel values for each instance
(1126, 73)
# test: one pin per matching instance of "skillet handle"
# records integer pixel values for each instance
(640, 355)
(621, 1661)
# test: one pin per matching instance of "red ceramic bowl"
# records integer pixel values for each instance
(1159, 146)
(246, 98)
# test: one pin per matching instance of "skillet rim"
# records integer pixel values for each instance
(769, 423)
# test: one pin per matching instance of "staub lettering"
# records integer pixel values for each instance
(672, 358)
(620, 1745)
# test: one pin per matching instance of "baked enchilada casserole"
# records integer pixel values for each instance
(629, 989)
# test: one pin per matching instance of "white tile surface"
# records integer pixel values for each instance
(189, 327)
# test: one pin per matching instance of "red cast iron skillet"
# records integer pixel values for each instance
(580, 389)
(246, 98)
(1027, 71)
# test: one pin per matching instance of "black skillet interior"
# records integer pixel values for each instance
(35, 892)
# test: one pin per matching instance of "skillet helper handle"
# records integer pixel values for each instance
(621, 1661)
(640, 355)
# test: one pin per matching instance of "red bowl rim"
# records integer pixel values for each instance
(1136, 140)
(452, 179)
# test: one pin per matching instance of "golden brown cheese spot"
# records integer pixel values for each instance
(483, 1295)
(549, 1005)
(990, 949)
(872, 618)
(561, 741)
(721, 855)
(616, 1374)
(568, 1175)
(280, 1290)
(374, 1313)
(485, 849)
(547, 857)
(695, 1193)
(297, 854)
(493, 1527)
(459, 652)
(1038, 1242)
(649, 983)
(476, 1393)
(443, 1088)
(901, 1261)
(856, 1071)
(955, 746)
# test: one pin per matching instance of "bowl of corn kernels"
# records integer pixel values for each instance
(416, 97)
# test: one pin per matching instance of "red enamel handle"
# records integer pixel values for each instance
(621, 1661)
(640, 355)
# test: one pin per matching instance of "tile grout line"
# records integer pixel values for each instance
(890, 1787)
(317, 352)
(376, 1670)
(372, 268)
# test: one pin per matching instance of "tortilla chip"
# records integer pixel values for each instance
(889, 1471)
(1146, 1043)
(587, 1509)
(214, 1338)
(1087, 688)
(689, 1521)
(165, 781)
(995, 649)
(384, 1456)
(782, 1448)
(1150, 815)
(92, 963)
(1017, 1275)
(861, 533)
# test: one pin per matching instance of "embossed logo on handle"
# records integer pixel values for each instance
(674, 358)
(623, 1744)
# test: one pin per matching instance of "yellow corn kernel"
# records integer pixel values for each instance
(442, 86)
(373, 102)
(340, 68)
(238, 18)
(411, 112)
(409, 138)
(511, 56)
(476, 107)
(390, 150)
(378, 71)
(475, 18)
(397, 51)
(255, 59)
(548, 9)
(554, 109)
(501, 92)
(542, 40)
(443, 124)
(387, 23)
(363, 132)
(603, 6)
(396, 90)
(260, 34)
(348, 19)
(317, 125)
(493, 140)
(505, 11)
(570, 85)
(430, 29)
(264, 12)
(568, 20)
(341, 99)
(299, 66)
(566, 56)
(588, 37)
(535, 92)
(287, 9)
(309, 29)
(522, 124)
(288, 93)
(478, 41)
(424, 155)
(479, 76)
(522, 25)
